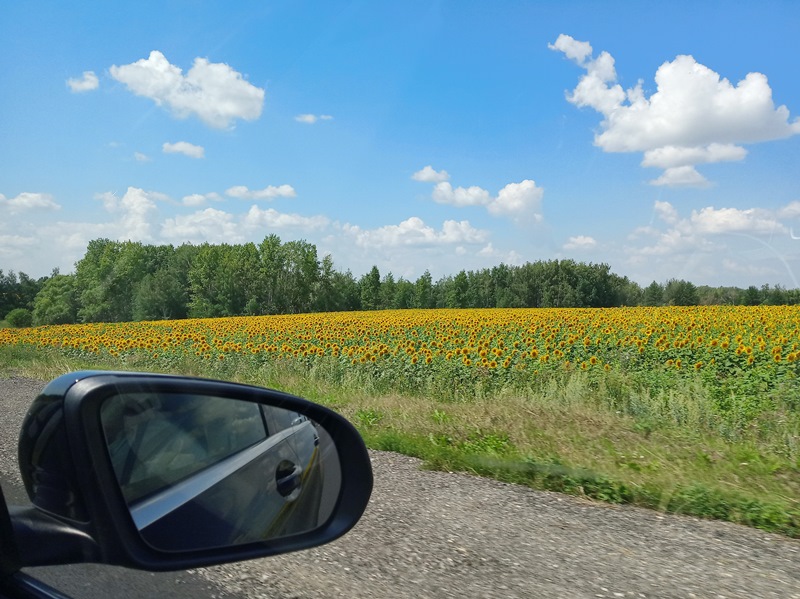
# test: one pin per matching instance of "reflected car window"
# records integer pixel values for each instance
(283, 419)
(156, 440)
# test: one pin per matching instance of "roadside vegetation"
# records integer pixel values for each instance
(688, 410)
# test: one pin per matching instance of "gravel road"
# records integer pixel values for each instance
(433, 534)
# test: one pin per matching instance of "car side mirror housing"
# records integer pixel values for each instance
(162, 472)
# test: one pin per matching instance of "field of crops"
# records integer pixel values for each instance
(747, 348)
(530, 340)
(695, 410)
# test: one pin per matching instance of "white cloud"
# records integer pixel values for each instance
(200, 199)
(490, 252)
(11, 245)
(109, 199)
(732, 220)
(135, 220)
(681, 176)
(211, 225)
(268, 193)
(518, 199)
(310, 119)
(135, 210)
(414, 232)
(572, 48)
(701, 230)
(673, 156)
(185, 148)
(27, 201)
(791, 210)
(86, 83)
(751, 271)
(139, 157)
(133, 198)
(429, 175)
(444, 193)
(272, 219)
(62, 243)
(694, 117)
(214, 92)
(580, 242)
(666, 212)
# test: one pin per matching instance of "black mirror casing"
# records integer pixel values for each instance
(80, 513)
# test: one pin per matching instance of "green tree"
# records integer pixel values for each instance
(680, 293)
(386, 295)
(300, 275)
(223, 280)
(750, 296)
(423, 291)
(403, 294)
(325, 296)
(459, 291)
(272, 267)
(18, 290)
(57, 302)
(370, 286)
(653, 294)
(19, 318)
(347, 291)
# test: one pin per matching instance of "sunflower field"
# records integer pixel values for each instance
(688, 409)
(737, 352)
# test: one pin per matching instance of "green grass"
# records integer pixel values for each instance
(617, 438)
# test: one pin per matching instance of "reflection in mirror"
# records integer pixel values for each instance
(199, 471)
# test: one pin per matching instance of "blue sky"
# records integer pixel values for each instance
(660, 138)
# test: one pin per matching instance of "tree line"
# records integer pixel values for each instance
(129, 281)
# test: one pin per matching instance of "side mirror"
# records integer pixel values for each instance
(164, 472)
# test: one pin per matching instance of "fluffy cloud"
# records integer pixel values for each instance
(139, 157)
(272, 219)
(62, 243)
(444, 193)
(429, 175)
(27, 201)
(492, 253)
(214, 92)
(791, 210)
(414, 232)
(666, 212)
(11, 245)
(681, 176)
(310, 119)
(134, 211)
(755, 221)
(211, 225)
(580, 242)
(701, 230)
(268, 193)
(87, 82)
(200, 199)
(694, 117)
(516, 200)
(185, 148)
(673, 156)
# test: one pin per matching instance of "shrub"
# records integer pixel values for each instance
(19, 318)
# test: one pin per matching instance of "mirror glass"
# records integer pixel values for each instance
(199, 471)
